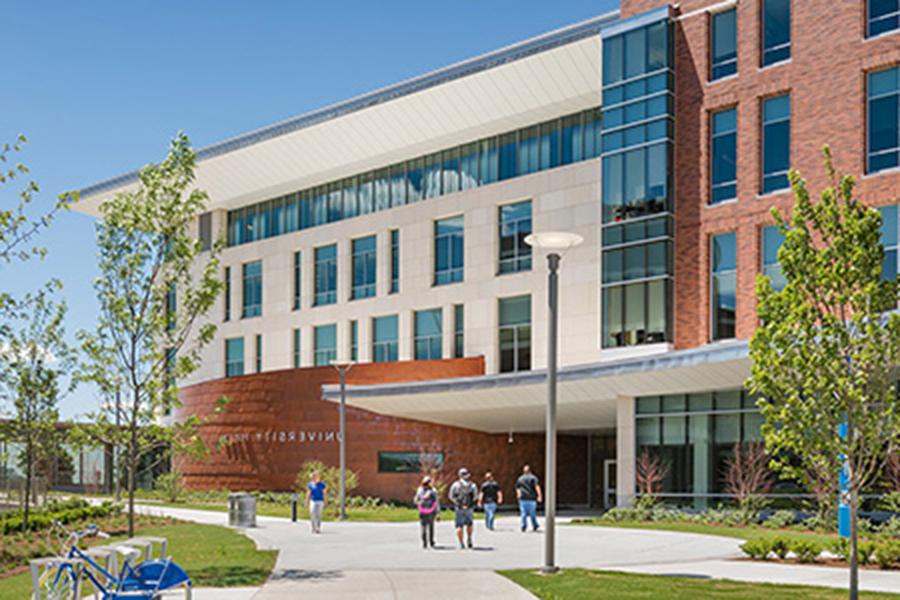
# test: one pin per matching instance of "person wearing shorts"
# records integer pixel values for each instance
(463, 494)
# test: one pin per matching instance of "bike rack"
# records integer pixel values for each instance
(146, 544)
(51, 562)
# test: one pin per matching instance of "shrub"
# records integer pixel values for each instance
(170, 486)
(806, 551)
(887, 553)
(780, 519)
(619, 515)
(891, 528)
(781, 545)
(840, 547)
(890, 502)
(758, 548)
(865, 551)
(330, 475)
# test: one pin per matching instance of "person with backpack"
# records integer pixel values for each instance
(429, 506)
(528, 492)
(491, 495)
(463, 494)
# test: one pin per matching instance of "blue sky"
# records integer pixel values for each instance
(100, 87)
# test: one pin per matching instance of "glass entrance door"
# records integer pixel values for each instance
(609, 484)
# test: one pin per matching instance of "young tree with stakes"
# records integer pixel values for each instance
(826, 352)
(156, 286)
(35, 364)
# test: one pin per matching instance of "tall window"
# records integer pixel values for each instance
(395, 261)
(326, 275)
(296, 348)
(776, 26)
(363, 268)
(883, 120)
(428, 338)
(297, 281)
(459, 331)
(515, 334)
(723, 285)
(723, 49)
(882, 16)
(171, 306)
(234, 357)
(252, 296)
(227, 293)
(515, 225)
(448, 250)
(772, 238)
(776, 142)
(384, 339)
(259, 351)
(724, 156)
(889, 240)
(324, 344)
(354, 340)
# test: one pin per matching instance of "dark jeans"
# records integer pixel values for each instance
(426, 523)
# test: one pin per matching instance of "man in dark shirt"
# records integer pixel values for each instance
(528, 492)
(491, 495)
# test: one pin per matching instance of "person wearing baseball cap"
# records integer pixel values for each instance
(463, 494)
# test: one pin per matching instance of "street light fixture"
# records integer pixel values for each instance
(555, 243)
(343, 366)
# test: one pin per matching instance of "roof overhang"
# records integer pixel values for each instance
(525, 83)
(586, 397)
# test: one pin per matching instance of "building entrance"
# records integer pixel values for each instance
(603, 470)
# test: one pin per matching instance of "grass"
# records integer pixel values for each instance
(213, 556)
(389, 514)
(582, 584)
(732, 531)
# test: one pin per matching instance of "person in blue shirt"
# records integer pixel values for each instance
(315, 495)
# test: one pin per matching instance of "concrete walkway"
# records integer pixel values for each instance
(386, 560)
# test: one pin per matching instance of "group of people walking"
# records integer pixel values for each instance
(465, 495)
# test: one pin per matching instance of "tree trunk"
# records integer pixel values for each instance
(131, 481)
(854, 543)
(28, 477)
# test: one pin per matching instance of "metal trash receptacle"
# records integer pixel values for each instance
(242, 510)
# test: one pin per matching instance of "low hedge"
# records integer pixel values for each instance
(64, 512)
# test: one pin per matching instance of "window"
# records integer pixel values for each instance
(354, 341)
(515, 334)
(883, 16)
(776, 27)
(259, 349)
(297, 281)
(408, 462)
(515, 225)
(234, 357)
(252, 296)
(384, 339)
(772, 238)
(326, 275)
(883, 136)
(204, 231)
(325, 344)
(428, 338)
(776, 142)
(395, 261)
(363, 251)
(227, 294)
(171, 306)
(723, 49)
(296, 349)
(889, 240)
(723, 285)
(724, 156)
(448, 250)
(459, 339)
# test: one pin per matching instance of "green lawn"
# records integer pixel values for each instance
(392, 514)
(741, 533)
(581, 584)
(213, 556)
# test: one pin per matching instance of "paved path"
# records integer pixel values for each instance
(385, 560)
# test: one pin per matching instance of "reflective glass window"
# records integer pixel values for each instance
(723, 285)
(776, 31)
(363, 259)
(723, 156)
(883, 120)
(448, 250)
(325, 275)
(515, 226)
(324, 344)
(723, 58)
(515, 334)
(252, 289)
(428, 340)
(776, 142)
(384, 339)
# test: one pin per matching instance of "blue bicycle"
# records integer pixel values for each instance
(144, 580)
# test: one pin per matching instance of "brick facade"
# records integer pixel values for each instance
(826, 79)
(277, 420)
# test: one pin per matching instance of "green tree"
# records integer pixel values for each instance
(35, 364)
(155, 288)
(827, 348)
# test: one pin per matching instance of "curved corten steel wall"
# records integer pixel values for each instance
(276, 421)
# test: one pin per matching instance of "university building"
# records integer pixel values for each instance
(389, 230)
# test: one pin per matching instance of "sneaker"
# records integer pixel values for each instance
(462, 546)
(469, 543)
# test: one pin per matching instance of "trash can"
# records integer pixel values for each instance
(241, 510)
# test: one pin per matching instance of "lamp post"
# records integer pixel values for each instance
(555, 243)
(343, 367)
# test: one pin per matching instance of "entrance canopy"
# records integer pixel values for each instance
(587, 394)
